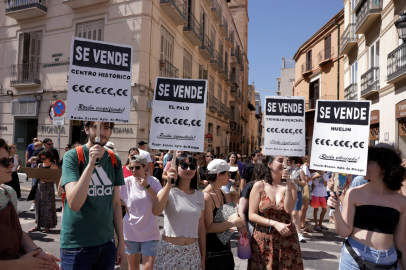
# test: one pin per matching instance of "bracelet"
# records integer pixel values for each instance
(37, 249)
(147, 187)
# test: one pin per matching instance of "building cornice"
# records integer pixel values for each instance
(390, 88)
(362, 53)
(360, 40)
(385, 12)
(386, 29)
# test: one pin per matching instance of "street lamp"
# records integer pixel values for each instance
(401, 26)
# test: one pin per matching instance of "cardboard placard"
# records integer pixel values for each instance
(178, 115)
(340, 136)
(41, 173)
(285, 126)
(99, 81)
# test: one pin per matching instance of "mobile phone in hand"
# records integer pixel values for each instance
(336, 194)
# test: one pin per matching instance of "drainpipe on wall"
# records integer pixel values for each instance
(338, 59)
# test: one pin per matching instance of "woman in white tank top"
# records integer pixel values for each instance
(15, 182)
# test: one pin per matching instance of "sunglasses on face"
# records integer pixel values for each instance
(135, 167)
(6, 161)
(44, 158)
(185, 166)
(210, 156)
(50, 143)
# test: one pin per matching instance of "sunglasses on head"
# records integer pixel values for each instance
(6, 161)
(185, 166)
(135, 167)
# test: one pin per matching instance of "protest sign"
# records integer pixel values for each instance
(284, 126)
(340, 136)
(99, 81)
(178, 115)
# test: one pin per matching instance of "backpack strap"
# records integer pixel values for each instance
(113, 159)
(81, 158)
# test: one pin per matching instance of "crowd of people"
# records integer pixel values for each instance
(111, 210)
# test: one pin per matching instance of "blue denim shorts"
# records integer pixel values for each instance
(102, 257)
(299, 202)
(383, 257)
(226, 188)
(148, 248)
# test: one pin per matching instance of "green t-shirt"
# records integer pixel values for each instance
(92, 225)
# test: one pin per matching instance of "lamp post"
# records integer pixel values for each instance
(401, 26)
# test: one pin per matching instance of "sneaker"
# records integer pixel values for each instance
(301, 238)
(32, 208)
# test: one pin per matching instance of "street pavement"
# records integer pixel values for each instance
(321, 250)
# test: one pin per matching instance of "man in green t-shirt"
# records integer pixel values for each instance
(92, 208)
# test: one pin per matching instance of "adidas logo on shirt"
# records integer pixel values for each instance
(101, 184)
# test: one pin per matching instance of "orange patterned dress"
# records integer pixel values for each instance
(272, 251)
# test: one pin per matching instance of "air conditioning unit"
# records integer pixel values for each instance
(25, 107)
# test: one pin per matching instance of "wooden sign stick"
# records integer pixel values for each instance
(97, 139)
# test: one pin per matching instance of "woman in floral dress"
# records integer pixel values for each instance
(275, 244)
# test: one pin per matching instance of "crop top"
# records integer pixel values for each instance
(182, 213)
(376, 218)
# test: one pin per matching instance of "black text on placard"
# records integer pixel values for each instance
(180, 90)
(345, 113)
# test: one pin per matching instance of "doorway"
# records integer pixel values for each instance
(25, 130)
(78, 132)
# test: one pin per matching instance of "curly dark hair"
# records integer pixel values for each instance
(260, 169)
(390, 163)
(3, 144)
(181, 159)
(47, 153)
(267, 172)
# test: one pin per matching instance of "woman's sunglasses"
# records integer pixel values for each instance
(210, 156)
(44, 158)
(185, 166)
(135, 167)
(6, 161)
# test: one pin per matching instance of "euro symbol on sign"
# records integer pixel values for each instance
(125, 92)
(75, 88)
(88, 89)
(175, 121)
(119, 92)
(361, 145)
(81, 88)
(336, 142)
(328, 142)
(104, 90)
(193, 122)
(180, 122)
(167, 120)
(162, 120)
(355, 144)
(97, 90)
(157, 119)
(199, 123)
(185, 122)
(322, 142)
(317, 141)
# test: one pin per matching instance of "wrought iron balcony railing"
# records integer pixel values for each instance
(194, 26)
(221, 108)
(16, 5)
(348, 36)
(324, 56)
(166, 69)
(351, 92)
(311, 103)
(213, 103)
(397, 63)
(367, 8)
(27, 73)
(370, 81)
(176, 10)
(216, 11)
(208, 46)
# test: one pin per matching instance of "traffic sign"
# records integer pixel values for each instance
(59, 108)
(58, 121)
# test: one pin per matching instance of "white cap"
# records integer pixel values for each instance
(110, 145)
(219, 166)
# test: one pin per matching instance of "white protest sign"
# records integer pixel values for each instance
(340, 136)
(58, 121)
(285, 126)
(178, 115)
(99, 81)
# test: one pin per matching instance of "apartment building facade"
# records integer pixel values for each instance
(196, 39)
(375, 67)
(285, 83)
(319, 71)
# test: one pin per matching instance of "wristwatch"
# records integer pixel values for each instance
(147, 187)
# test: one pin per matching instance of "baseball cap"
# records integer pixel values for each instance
(141, 143)
(219, 166)
(139, 159)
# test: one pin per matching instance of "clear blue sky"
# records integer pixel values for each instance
(276, 29)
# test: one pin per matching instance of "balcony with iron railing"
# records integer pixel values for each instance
(208, 2)
(233, 54)
(351, 92)
(236, 93)
(213, 103)
(366, 11)
(216, 63)
(216, 11)
(24, 75)
(207, 49)
(82, 3)
(325, 56)
(223, 27)
(348, 39)
(19, 9)
(166, 69)
(193, 30)
(397, 64)
(221, 108)
(310, 104)
(307, 67)
(230, 79)
(223, 73)
(176, 10)
(226, 112)
(229, 40)
(370, 82)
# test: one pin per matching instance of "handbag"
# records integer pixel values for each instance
(244, 248)
(222, 260)
(33, 191)
(364, 265)
(222, 215)
(306, 193)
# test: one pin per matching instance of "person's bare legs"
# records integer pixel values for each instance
(134, 261)
(315, 216)
(303, 212)
(296, 220)
(323, 212)
(148, 262)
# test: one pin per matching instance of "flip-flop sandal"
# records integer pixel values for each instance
(318, 229)
(35, 229)
(46, 230)
(323, 228)
(304, 230)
